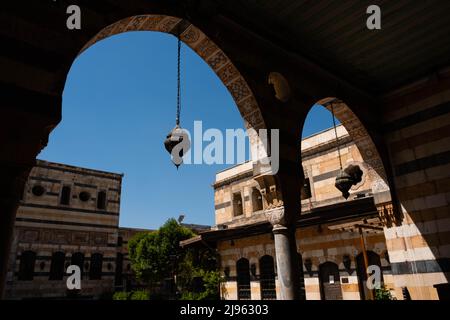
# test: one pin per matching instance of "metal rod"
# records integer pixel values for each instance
(366, 262)
(335, 132)
(369, 227)
(178, 81)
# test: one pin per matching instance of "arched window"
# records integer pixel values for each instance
(77, 259)
(373, 259)
(243, 279)
(267, 278)
(65, 195)
(330, 286)
(101, 200)
(306, 190)
(238, 205)
(302, 277)
(95, 272)
(257, 201)
(26, 266)
(119, 269)
(57, 266)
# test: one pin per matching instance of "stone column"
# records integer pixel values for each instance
(286, 254)
(8, 209)
(282, 211)
(11, 187)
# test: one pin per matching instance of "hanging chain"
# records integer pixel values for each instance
(178, 81)
(335, 132)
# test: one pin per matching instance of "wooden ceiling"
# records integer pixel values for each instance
(414, 40)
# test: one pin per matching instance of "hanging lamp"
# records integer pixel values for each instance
(351, 175)
(177, 135)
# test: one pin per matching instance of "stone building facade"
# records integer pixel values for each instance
(68, 216)
(336, 238)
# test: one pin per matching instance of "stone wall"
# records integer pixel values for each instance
(48, 221)
(417, 131)
(321, 165)
(316, 245)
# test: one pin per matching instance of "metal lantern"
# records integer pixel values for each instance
(347, 178)
(175, 137)
(344, 182)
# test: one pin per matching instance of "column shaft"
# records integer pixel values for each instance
(287, 263)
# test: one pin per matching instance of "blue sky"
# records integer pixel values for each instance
(118, 106)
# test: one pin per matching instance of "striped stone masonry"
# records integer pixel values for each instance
(417, 131)
(71, 213)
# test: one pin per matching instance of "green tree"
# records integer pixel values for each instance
(199, 278)
(157, 255)
(150, 252)
(383, 294)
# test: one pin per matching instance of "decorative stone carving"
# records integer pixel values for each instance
(30, 235)
(365, 173)
(276, 217)
(280, 85)
(168, 23)
(228, 73)
(269, 188)
(61, 237)
(80, 238)
(379, 186)
(387, 215)
(98, 238)
(239, 89)
(217, 60)
(191, 35)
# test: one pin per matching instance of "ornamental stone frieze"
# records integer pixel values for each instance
(270, 190)
(387, 215)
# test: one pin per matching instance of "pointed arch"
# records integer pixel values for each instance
(212, 54)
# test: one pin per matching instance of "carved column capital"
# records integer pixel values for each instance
(276, 218)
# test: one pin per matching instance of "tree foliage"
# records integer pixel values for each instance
(383, 294)
(152, 258)
(150, 253)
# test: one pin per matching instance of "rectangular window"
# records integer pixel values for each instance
(257, 200)
(306, 190)
(237, 205)
(65, 195)
(101, 200)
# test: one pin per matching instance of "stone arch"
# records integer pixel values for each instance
(219, 62)
(267, 277)
(329, 280)
(373, 259)
(57, 266)
(363, 141)
(26, 266)
(243, 279)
